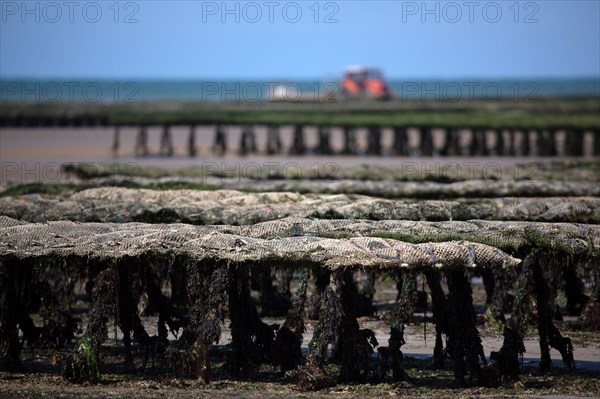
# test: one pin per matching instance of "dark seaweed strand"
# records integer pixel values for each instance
(84, 365)
(252, 340)
(287, 353)
(544, 272)
(442, 319)
(467, 348)
(399, 317)
(352, 342)
(313, 375)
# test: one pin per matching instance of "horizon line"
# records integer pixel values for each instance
(291, 79)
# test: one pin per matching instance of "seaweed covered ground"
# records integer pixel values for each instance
(42, 377)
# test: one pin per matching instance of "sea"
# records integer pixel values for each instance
(264, 90)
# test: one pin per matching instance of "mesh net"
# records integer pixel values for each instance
(382, 188)
(116, 241)
(113, 204)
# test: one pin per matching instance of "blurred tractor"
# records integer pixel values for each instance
(365, 83)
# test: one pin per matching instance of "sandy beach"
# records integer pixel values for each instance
(35, 154)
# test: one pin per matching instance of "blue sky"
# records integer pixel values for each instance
(189, 40)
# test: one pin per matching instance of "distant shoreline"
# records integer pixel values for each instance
(109, 91)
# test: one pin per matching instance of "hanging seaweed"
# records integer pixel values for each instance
(287, 275)
(125, 310)
(506, 360)
(84, 364)
(59, 325)
(574, 287)
(442, 319)
(313, 376)
(207, 297)
(498, 296)
(363, 298)
(398, 318)
(178, 277)
(50, 293)
(591, 314)
(153, 276)
(252, 340)
(544, 273)
(352, 345)
(15, 281)
(467, 349)
(272, 302)
(287, 352)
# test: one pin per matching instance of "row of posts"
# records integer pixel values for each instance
(507, 142)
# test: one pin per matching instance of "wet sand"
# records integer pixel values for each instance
(34, 154)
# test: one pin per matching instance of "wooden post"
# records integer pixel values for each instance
(273, 140)
(574, 143)
(445, 151)
(511, 143)
(525, 148)
(141, 142)
(248, 141)
(541, 143)
(474, 143)
(166, 142)
(553, 150)
(374, 141)
(116, 141)
(243, 150)
(478, 145)
(546, 142)
(220, 143)
(400, 141)
(452, 144)
(426, 141)
(596, 145)
(298, 146)
(192, 150)
(483, 149)
(349, 141)
(324, 147)
(500, 147)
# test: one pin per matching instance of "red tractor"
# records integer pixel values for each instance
(365, 83)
